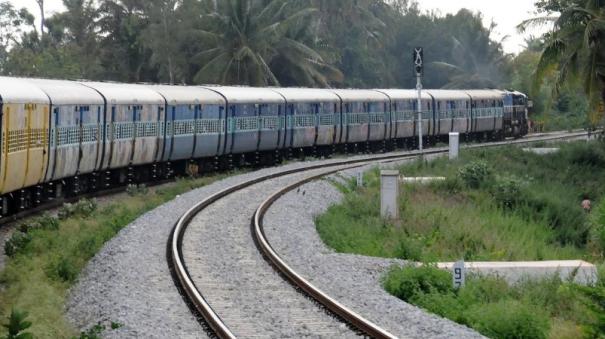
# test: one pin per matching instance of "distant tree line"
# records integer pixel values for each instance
(338, 43)
(314, 43)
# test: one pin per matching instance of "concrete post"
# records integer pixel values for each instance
(359, 178)
(389, 192)
(454, 145)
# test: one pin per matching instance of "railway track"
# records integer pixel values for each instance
(219, 259)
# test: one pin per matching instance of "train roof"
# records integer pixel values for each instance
(62, 92)
(360, 95)
(448, 94)
(175, 95)
(244, 95)
(116, 93)
(307, 94)
(404, 94)
(19, 90)
(485, 94)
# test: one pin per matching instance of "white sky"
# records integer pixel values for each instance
(507, 14)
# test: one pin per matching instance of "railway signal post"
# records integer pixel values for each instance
(419, 67)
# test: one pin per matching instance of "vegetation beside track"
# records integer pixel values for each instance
(549, 308)
(495, 204)
(48, 253)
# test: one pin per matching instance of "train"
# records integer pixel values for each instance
(63, 138)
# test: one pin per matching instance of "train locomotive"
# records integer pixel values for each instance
(66, 138)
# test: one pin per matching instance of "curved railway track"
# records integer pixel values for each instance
(218, 301)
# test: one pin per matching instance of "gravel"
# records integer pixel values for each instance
(351, 279)
(129, 282)
(234, 278)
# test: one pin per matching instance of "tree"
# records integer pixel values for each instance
(12, 23)
(41, 5)
(477, 60)
(244, 37)
(575, 48)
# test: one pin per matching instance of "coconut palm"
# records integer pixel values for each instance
(476, 60)
(575, 49)
(247, 40)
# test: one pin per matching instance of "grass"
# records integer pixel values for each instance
(496, 204)
(549, 308)
(37, 277)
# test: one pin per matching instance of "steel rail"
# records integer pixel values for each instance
(196, 298)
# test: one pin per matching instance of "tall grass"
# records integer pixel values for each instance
(38, 276)
(548, 308)
(496, 204)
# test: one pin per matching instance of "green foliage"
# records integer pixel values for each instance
(507, 191)
(46, 267)
(317, 43)
(410, 282)
(509, 319)
(475, 173)
(496, 309)
(83, 208)
(574, 50)
(595, 301)
(17, 325)
(94, 332)
(530, 210)
(16, 243)
(134, 189)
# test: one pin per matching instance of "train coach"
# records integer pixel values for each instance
(64, 138)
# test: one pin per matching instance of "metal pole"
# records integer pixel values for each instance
(419, 88)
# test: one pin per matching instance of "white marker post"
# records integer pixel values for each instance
(389, 192)
(418, 67)
(359, 179)
(458, 274)
(454, 145)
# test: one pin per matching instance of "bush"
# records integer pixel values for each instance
(507, 191)
(48, 222)
(475, 173)
(16, 243)
(66, 270)
(134, 189)
(410, 282)
(409, 249)
(450, 185)
(597, 227)
(82, 208)
(509, 319)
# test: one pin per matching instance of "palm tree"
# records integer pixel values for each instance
(476, 60)
(575, 49)
(247, 40)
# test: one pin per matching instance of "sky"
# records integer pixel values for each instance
(506, 14)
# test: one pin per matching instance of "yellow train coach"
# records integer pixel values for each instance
(24, 126)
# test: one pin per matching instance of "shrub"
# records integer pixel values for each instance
(450, 185)
(507, 191)
(82, 208)
(134, 189)
(509, 319)
(597, 227)
(410, 282)
(409, 249)
(17, 325)
(475, 173)
(66, 270)
(16, 243)
(48, 222)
